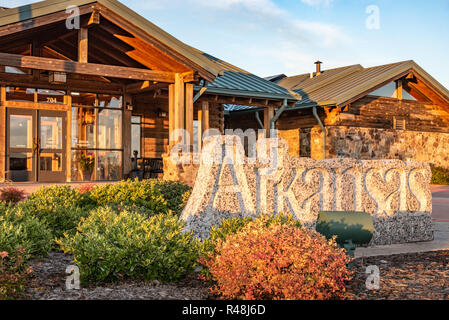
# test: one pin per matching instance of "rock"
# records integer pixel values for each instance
(396, 193)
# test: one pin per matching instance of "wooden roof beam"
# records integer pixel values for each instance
(15, 60)
(13, 29)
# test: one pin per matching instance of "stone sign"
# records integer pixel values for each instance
(229, 184)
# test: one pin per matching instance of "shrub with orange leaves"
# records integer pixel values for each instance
(277, 262)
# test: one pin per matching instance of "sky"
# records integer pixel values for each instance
(268, 37)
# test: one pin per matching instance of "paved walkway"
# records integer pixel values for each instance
(32, 187)
(441, 242)
(440, 201)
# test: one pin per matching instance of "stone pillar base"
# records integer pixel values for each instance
(403, 228)
(185, 173)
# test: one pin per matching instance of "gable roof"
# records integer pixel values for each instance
(342, 86)
(48, 7)
(228, 79)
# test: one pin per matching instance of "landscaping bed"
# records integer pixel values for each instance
(415, 276)
(129, 244)
(419, 276)
(48, 282)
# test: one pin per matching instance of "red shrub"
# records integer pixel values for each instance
(87, 188)
(12, 195)
(13, 275)
(278, 262)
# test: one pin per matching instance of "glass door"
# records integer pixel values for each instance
(51, 146)
(36, 146)
(21, 146)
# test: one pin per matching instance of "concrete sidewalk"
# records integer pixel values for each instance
(441, 242)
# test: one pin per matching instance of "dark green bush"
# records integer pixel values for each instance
(176, 194)
(440, 176)
(21, 229)
(112, 245)
(130, 193)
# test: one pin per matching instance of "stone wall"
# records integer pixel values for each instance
(374, 143)
(397, 194)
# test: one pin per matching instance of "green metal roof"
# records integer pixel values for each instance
(238, 82)
(339, 86)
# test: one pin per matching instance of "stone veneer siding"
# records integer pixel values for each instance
(374, 143)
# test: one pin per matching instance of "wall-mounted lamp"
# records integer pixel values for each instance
(57, 77)
(129, 106)
(161, 113)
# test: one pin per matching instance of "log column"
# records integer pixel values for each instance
(189, 112)
(268, 116)
(69, 138)
(126, 135)
(2, 133)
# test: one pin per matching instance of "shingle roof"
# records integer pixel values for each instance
(338, 86)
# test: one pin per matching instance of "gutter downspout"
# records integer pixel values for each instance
(315, 114)
(259, 120)
(200, 92)
(278, 114)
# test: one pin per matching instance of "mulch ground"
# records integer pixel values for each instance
(402, 277)
(417, 276)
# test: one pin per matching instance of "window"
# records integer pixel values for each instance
(50, 96)
(96, 137)
(20, 94)
(389, 91)
(136, 136)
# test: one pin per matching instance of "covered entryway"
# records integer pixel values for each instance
(36, 144)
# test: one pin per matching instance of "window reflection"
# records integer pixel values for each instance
(96, 137)
(83, 165)
(136, 136)
(51, 133)
(109, 165)
(83, 127)
(83, 98)
(21, 131)
(109, 129)
(51, 162)
(20, 94)
(110, 101)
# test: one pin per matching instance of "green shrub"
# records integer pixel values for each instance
(53, 198)
(21, 229)
(13, 275)
(440, 176)
(112, 245)
(176, 194)
(130, 193)
(277, 261)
